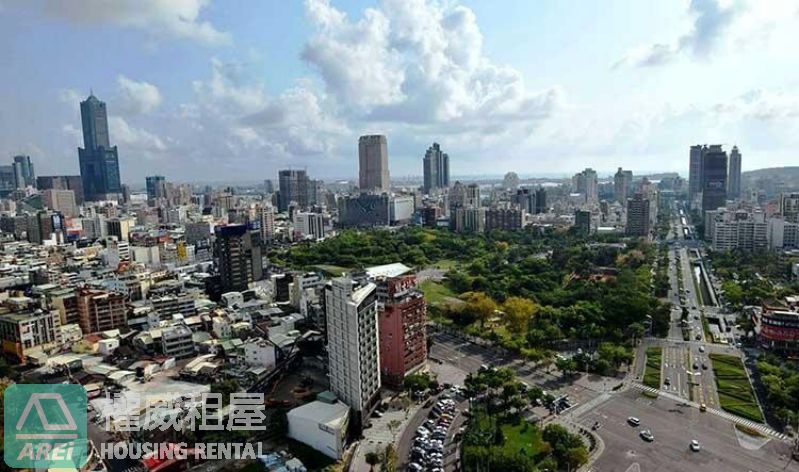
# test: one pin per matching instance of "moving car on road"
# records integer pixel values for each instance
(633, 421)
(646, 435)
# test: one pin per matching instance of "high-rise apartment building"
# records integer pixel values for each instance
(402, 323)
(524, 199)
(61, 200)
(267, 217)
(695, 171)
(435, 166)
(789, 207)
(100, 310)
(622, 185)
(238, 253)
(714, 178)
(293, 186)
(541, 201)
(583, 223)
(353, 344)
(726, 230)
(99, 161)
(734, 174)
(373, 164)
(23, 171)
(309, 225)
(467, 219)
(504, 219)
(586, 184)
(638, 216)
(62, 182)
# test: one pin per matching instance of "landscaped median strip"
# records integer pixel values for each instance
(654, 356)
(735, 392)
(764, 429)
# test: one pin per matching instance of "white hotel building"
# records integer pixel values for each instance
(353, 351)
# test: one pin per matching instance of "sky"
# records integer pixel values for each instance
(212, 90)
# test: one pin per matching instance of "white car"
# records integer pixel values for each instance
(701, 348)
(695, 445)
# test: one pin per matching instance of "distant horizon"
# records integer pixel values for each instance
(453, 178)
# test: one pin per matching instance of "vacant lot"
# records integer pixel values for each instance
(735, 392)
(654, 356)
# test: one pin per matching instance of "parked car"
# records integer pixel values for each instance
(633, 421)
(647, 435)
(695, 445)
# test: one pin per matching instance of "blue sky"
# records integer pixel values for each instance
(234, 90)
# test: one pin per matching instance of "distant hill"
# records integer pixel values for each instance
(772, 181)
(782, 173)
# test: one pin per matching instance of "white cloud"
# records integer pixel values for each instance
(70, 96)
(138, 97)
(419, 63)
(355, 59)
(714, 25)
(225, 86)
(297, 123)
(73, 133)
(160, 18)
(134, 139)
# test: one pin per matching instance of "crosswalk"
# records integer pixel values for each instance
(764, 429)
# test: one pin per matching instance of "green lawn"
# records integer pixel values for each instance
(446, 264)
(735, 392)
(654, 355)
(436, 293)
(334, 270)
(520, 437)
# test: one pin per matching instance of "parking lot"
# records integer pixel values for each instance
(434, 446)
(673, 427)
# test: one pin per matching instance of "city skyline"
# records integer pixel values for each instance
(205, 87)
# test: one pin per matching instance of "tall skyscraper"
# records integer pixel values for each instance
(695, 171)
(541, 201)
(156, 187)
(8, 180)
(436, 168)
(238, 252)
(373, 164)
(525, 199)
(353, 346)
(23, 170)
(734, 174)
(99, 162)
(622, 185)
(293, 186)
(714, 178)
